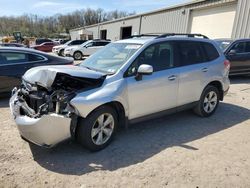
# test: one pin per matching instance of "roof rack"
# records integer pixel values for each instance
(145, 35)
(182, 34)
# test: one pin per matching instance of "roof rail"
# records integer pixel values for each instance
(182, 34)
(144, 35)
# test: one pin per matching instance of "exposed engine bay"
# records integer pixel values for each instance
(36, 100)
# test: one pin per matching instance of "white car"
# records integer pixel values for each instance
(59, 49)
(86, 49)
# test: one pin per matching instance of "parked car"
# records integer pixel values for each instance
(223, 43)
(14, 62)
(42, 40)
(127, 81)
(86, 49)
(12, 45)
(238, 53)
(59, 49)
(45, 47)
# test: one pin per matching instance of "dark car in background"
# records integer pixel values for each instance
(14, 62)
(45, 47)
(12, 45)
(238, 53)
(42, 40)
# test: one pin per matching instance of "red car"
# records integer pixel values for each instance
(45, 47)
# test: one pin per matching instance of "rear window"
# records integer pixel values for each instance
(12, 57)
(211, 51)
(190, 52)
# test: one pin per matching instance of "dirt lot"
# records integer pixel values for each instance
(180, 150)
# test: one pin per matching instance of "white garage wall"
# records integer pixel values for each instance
(214, 22)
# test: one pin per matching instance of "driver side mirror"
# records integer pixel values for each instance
(143, 70)
(232, 52)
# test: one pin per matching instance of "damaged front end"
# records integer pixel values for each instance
(43, 113)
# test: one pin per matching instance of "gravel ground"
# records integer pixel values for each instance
(180, 150)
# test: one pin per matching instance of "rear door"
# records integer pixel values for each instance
(194, 69)
(239, 56)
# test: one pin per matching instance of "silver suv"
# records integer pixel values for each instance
(125, 82)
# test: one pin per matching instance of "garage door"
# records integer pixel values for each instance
(214, 22)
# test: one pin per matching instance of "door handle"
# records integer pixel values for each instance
(204, 69)
(171, 78)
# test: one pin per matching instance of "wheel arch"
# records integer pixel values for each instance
(116, 105)
(219, 86)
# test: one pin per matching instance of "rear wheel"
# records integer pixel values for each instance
(77, 55)
(97, 130)
(208, 103)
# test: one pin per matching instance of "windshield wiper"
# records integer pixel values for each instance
(98, 70)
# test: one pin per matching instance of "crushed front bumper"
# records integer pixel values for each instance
(47, 131)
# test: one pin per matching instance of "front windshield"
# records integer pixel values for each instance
(67, 43)
(223, 44)
(111, 57)
(83, 44)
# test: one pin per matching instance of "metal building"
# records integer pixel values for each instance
(214, 18)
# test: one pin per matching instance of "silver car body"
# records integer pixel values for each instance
(84, 49)
(138, 98)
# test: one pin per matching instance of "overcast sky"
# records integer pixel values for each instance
(51, 7)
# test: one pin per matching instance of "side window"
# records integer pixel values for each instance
(33, 57)
(190, 53)
(239, 47)
(90, 44)
(211, 51)
(74, 43)
(247, 50)
(12, 57)
(160, 56)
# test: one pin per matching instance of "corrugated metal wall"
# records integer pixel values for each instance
(175, 19)
(242, 20)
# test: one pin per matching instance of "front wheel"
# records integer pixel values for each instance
(208, 103)
(61, 52)
(77, 56)
(97, 130)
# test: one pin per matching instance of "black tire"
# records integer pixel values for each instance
(85, 126)
(77, 56)
(200, 108)
(61, 52)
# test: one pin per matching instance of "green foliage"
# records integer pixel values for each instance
(34, 25)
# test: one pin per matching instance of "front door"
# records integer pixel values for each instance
(239, 56)
(156, 92)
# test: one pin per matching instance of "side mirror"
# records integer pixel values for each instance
(232, 52)
(143, 70)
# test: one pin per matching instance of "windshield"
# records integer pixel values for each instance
(83, 44)
(67, 43)
(111, 57)
(223, 44)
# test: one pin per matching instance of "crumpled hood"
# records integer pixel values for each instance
(45, 75)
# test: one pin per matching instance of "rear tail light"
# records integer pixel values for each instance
(227, 64)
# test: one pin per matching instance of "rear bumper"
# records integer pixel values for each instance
(48, 130)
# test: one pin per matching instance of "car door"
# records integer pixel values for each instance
(12, 68)
(156, 92)
(193, 71)
(90, 48)
(239, 56)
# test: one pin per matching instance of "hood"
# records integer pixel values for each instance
(72, 47)
(45, 75)
(59, 46)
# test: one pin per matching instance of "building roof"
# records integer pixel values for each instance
(142, 14)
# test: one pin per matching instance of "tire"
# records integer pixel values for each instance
(77, 56)
(61, 52)
(208, 102)
(89, 130)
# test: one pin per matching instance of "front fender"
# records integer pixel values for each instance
(88, 101)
